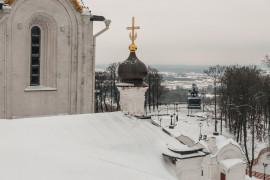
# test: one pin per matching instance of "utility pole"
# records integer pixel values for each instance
(264, 165)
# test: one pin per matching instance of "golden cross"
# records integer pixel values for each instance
(133, 36)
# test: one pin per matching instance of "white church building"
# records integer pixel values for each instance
(47, 58)
(223, 159)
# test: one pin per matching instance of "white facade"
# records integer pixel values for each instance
(132, 99)
(66, 59)
(189, 168)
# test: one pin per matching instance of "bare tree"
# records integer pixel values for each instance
(114, 93)
(155, 91)
(215, 73)
(243, 97)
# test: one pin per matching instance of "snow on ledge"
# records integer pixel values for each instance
(230, 163)
(125, 84)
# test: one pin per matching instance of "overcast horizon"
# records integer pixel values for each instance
(185, 32)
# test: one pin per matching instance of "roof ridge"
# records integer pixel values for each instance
(76, 4)
(9, 1)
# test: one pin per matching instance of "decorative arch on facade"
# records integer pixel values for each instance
(230, 151)
(48, 47)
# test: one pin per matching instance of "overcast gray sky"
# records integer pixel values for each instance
(191, 32)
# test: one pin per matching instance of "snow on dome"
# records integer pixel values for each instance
(88, 146)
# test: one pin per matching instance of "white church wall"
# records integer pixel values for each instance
(206, 168)
(189, 168)
(2, 65)
(86, 68)
(132, 100)
(235, 173)
(66, 85)
(214, 173)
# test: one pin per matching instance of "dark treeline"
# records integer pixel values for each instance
(155, 91)
(178, 94)
(243, 101)
(107, 97)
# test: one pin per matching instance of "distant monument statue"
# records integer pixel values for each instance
(194, 91)
(132, 73)
(194, 102)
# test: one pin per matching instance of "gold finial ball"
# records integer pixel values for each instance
(132, 48)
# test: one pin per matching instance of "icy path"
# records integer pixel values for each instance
(92, 146)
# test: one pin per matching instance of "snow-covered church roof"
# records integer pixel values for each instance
(91, 146)
(78, 4)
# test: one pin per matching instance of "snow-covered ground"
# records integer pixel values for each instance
(91, 146)
(188, 125)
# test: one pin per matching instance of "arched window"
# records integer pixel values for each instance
(35, 56)
(42, 51)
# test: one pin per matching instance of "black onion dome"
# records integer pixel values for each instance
(132, 70)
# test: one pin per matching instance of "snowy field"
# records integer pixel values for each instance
(187, 125)
(200, 79)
